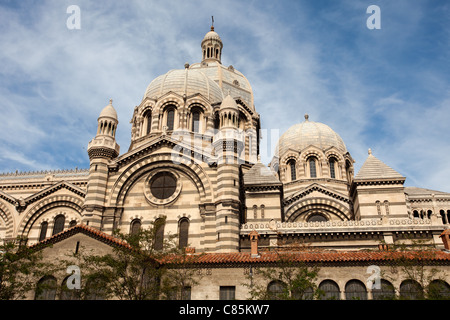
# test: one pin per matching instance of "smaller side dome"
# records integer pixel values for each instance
(109, 112)
(229, 104)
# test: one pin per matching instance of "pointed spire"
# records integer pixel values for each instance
(373, 168)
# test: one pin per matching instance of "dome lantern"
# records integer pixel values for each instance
(211, 47)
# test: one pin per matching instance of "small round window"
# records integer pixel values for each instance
(163, 185)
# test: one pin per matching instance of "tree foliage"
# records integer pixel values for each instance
(136, 270)
(20, 266)
(286, 279)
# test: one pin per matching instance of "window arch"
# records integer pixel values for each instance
(159, 234)
(444, 216)
(59, 224)
(43, 233)
(196, 119)
(292, 170)
(330, 290)
(183, 233)
(385, 292)
(312, 167)
(216, 121)
(386, 206)
(355, 290)
(439, 290)
(332, 163)
(135, 226)
(46, 288)
(378, 203)
(276, 289)
(68, 294)
(169, 117)
(148, 121)
(317, 217)
(411, 290)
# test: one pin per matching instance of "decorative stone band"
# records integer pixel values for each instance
(331, 226)
(102, 153)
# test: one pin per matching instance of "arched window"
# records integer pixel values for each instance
(68, 294)
(46, 288)
(386, 206)
(170, 119)
(183, 233)
(43, 233)
(443, 216)
(416, 214)
(255, 211)
(411, 290)
(159, 234)
(135, 227)
(195, 120)
(355, 290)
(263, 207)
(317, 217)
(72, 223)
(216, 121)
(59, 224)
(438, 290)
(378, 203)
(291, 164)
(312, 167)
(148, 121)
(330, 290)
(333, 168)
(385, 292)
(95, 288)
(276, 290)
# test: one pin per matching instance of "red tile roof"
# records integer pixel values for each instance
(236, 258)
(317, 256)
(81, 228)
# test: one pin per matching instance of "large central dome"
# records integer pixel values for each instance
(185, 82)
(307, 133)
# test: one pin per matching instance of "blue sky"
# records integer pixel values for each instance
(385, 89)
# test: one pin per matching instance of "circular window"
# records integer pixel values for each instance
(163, 185)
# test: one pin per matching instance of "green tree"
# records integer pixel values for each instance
(289, 278)
(413, 261)
(20, 268)
(138, 269)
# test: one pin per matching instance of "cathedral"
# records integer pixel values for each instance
(193, 160)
